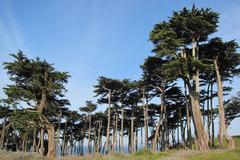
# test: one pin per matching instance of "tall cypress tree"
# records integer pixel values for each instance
(37, 83)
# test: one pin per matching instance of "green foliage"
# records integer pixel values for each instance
(232, 109)
(89, 108)
(165, 40)
(32, 77)
(194, 23)
(226, 55)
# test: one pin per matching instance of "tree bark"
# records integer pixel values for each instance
(132, 133)
(136, 141)
(122, 120)
(99, 134)
(222, 131)
(51, 142)
(208, 111)
(145, 110)
(109, 120)
(212, 116)
(201, 135)
(89, 134)
(34, 140)
(42, 141)
(182, 129)
(162, 122)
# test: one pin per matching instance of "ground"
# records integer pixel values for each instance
(212, 154)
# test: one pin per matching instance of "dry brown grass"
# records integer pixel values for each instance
(5, 155)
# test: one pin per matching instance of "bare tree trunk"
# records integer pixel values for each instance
(109, 120)
(122, 120)
(162, 122)
(178, 140)
(89, 134)
(165, 121)
(119, 141)
(34, 140)
(182, 130)
(99, 134)
(95, 141)
(42, 141)
(51, 142)
(212, 116)
(222, 131)
(116, 124)
(58, 131)
(136, 141)
(145, 110)
(141, 136)
(208, 111)
(64, 139)
(156, 136)
(201, 135)
(114, 133)
(129, 143)
(82, 146)
(2, 137)
(132, 133)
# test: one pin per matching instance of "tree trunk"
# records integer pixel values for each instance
(51, 142)
(208, 115)
(129, 143)
(165, 121)
(116, 131)
(42, 141)
(136, 142)
(222, 131)
(212, 116)
(132, 133)
(89, 134)
(64, 138)
(2, 137)
(99, 134)
(122, 120)
(156, 135)
(178, 140)
(58, 131)
(182, 130)
(95, 141)
(162, 120)
(109, 120)
(34, 140)
(145, 110)
(82, 146)
(201, 135)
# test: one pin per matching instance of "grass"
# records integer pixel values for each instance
(5, 155)
(219, 154)
(212, 154)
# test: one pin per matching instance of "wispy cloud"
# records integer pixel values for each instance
(11, 35)
(11, 39)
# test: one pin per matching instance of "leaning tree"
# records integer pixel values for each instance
(36, 83)
(226, 62)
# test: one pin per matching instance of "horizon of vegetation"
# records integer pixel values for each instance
(35, 115)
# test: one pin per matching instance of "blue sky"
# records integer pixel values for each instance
(90, 38)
